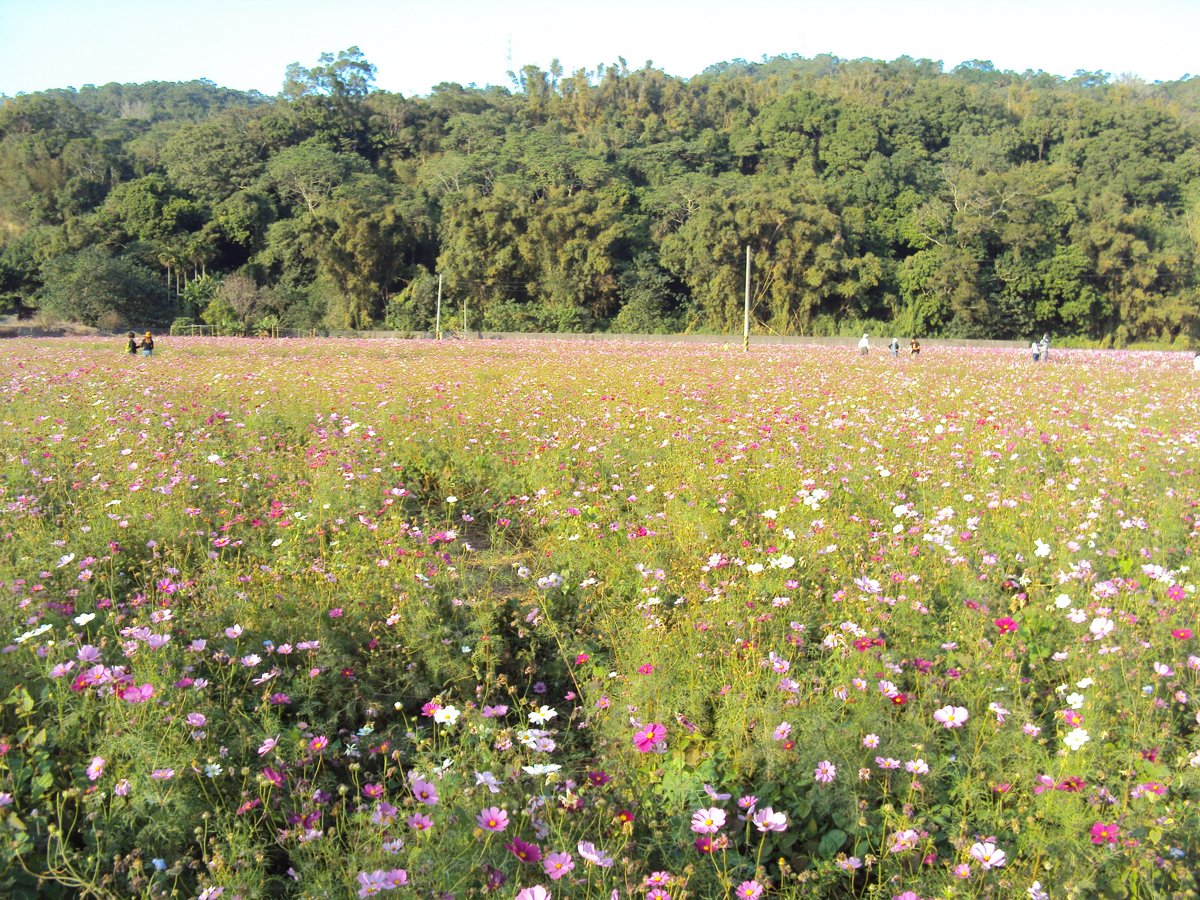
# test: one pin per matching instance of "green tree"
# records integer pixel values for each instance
(94, 288)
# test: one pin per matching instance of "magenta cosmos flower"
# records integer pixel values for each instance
(537, 892)
(648, 737)
(524, 851)
(825, 772)
(492, 818)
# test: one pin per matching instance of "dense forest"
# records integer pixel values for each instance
(893, 195)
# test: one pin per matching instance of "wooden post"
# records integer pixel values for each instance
(746, 317)
(437, 328)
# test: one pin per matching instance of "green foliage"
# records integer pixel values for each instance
(94, 288)
(974, 202)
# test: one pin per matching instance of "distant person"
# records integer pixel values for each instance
(914, 347)
(1036, 350)
(131, 346)
(1196, 363)
(894, 346)
(1046, 347)
(147, 345)
(864, 345)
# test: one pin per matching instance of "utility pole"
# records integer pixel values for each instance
(437, 327)
(746, 317)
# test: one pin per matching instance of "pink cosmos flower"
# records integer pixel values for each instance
(1105, 833)
(766, 819)
(96, 769)
(951, 716)
(649, 737)
(139, 694)
(384, 814)
(749, 890)
(557, 865)
(708, 821)
(903, 841)
(492, 818)
(537, 892)
(988, 855)
(825, 772)
(425, 792)
(596, 857)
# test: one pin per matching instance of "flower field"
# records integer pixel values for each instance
(590, 620)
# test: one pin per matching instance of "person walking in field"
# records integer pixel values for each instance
(1035, 350)
(864, 345)
(1196, 363)
(147, 344)
(894, 346)
(914, 347)
(131, 346)
(1046, 347)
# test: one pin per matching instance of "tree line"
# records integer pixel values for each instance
(895, 195)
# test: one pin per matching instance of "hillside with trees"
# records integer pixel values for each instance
(893, 195)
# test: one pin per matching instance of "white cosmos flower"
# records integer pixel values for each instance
(1076, 738)
(541, 769)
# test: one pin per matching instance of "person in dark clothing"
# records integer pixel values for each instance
(131, 346)
(147, 344)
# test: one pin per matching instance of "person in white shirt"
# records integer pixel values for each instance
(863, 346)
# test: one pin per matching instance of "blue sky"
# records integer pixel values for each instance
(415, 45)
